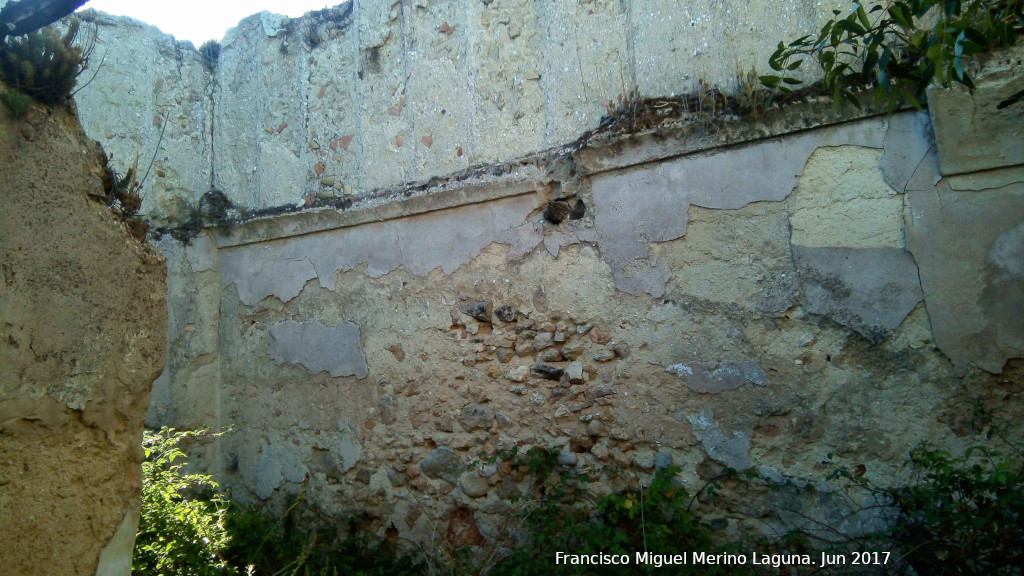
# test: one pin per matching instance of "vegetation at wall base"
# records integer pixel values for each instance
(563, 518)
(899, 47)
(962, 515)
(956, 516)
(182, 529)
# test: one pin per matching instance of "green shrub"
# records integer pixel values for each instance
(44, 64)
(16, 101)
(962, 515)
(892, 46)
(956, 515)
(303, 542)
(562, 517)
(182, 530)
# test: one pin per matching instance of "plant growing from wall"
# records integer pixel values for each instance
(899, 47)
(15, 101)
(45, 64)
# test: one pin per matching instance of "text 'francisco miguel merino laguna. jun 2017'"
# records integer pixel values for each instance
(705, 558)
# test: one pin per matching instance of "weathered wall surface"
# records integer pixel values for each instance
(751, 294)
(374, 95)
(82, 325)
(755, 305)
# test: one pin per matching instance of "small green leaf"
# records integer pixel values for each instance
(863, 16)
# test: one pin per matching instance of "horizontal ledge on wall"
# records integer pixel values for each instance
(618, 150)
(320, 220)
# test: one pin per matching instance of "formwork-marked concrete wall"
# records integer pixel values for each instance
(374, 95)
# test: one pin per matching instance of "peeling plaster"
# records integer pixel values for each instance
(650, 203)
(970, 271)
(444, 239)
(871, 290)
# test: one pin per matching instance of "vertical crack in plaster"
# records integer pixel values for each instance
(404, 25)
(471, 77)
(631, 64)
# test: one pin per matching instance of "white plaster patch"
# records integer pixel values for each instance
(334, 349)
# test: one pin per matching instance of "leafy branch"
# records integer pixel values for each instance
(900, 47)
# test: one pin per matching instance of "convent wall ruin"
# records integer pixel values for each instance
(433, 263)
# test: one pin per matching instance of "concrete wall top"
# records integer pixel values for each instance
(373, 95)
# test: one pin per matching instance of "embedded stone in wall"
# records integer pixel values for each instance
(730, 450)
(334, 349)
(871, 290)
(444, 463)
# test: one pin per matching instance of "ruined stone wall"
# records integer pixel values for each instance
(82, 337)
(749, 293)
(792, 292)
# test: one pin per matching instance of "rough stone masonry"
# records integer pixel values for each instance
(435, 266)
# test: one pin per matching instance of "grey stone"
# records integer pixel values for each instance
(716, 376)
(442, 462)
(621, 349)
(334, 349)
(871, 290)
(349, 450)
(731, 450)
(479, 310)
(643, 459)
(517, 374)
(550, 355)
(604, 355)
(567, 458)
(476, 417)
(508, 490)
(543, 340)
(662, 460)
(603, 389)
(503, 421)
(267, 476)
(546, 371)
(574, 372)
(387, 406)
(572, 350)
(594, 428)
(506, 313)
(473, 485)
